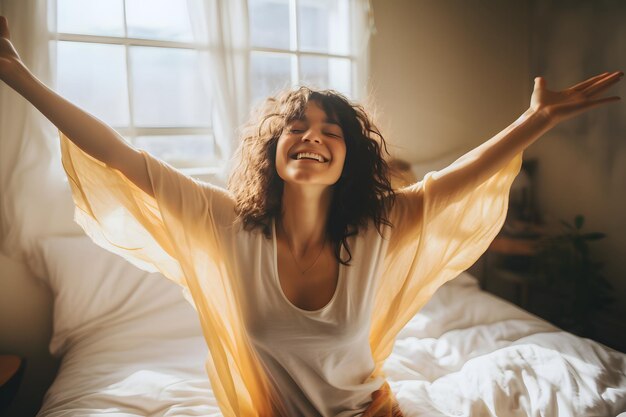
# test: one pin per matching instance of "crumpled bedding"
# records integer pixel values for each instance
(467, 353)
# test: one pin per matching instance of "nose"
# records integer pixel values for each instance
(311, 136)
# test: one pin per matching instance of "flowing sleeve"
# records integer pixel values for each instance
(147, 231)
(180, 232)
(434, 238)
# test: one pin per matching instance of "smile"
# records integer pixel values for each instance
(309, 156)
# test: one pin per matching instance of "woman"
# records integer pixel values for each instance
(307, 268)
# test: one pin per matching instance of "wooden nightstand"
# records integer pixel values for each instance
(11, 371)
(509, 255)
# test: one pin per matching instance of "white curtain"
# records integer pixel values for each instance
(363, 28)
(35, 199)
(221, 26)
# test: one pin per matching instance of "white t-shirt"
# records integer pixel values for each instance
(318, 359)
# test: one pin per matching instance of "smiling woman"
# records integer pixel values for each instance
(303, 331)
(305, 272)
(355, 174)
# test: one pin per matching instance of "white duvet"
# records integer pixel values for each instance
(467, 353)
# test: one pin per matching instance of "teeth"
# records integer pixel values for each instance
(310, 155)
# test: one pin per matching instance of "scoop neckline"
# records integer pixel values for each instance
(280, 288)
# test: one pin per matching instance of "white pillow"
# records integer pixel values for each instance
(94, 289)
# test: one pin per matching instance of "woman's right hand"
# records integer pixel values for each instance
(9, 58)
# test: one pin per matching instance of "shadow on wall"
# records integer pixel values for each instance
(582, 162)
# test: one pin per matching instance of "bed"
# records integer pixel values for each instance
(131, 345)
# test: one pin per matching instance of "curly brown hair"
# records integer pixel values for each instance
(362, 193)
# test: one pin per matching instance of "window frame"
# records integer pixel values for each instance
(295, 51)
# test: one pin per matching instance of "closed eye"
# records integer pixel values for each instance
(333, 135)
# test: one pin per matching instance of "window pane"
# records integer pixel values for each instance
(323, 26)
(165, 84)
(269, 23)
(94, 77)
(269, 74)
(181, 151)
(320, 72)
(91, 17)
(158, 19)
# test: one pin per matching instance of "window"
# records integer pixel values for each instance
(134, 64)
(135, 67)
(299, 42)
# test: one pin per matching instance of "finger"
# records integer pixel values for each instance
(4, 28)
(596, 103)
(540, 83)
(582, 106)
(604, 100)
(602, 88)
(603, 84)
(584, 84)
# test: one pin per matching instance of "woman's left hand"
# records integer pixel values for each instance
(562, 105)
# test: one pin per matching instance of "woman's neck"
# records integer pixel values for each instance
(303, 219)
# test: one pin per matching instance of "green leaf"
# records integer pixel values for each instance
(563, 263)
(579, 221)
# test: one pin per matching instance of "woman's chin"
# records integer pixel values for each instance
(309, 179)
(304, 175)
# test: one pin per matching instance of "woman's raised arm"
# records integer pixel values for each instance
(90, 134)
(547, 109)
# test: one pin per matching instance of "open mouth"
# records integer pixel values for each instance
(309, 156)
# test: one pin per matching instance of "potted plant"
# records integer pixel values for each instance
(563, 265)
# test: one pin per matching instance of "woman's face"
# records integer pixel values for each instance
(312, 150)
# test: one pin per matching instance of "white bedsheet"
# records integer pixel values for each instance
(467, 353)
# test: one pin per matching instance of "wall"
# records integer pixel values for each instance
(583, 161)
(448, 75)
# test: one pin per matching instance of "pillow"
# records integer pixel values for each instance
(95, 289)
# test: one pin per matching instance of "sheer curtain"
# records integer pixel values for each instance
(35, 199)
(363, 28)
(221, 26)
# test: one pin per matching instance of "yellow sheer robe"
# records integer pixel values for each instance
(434, 238)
